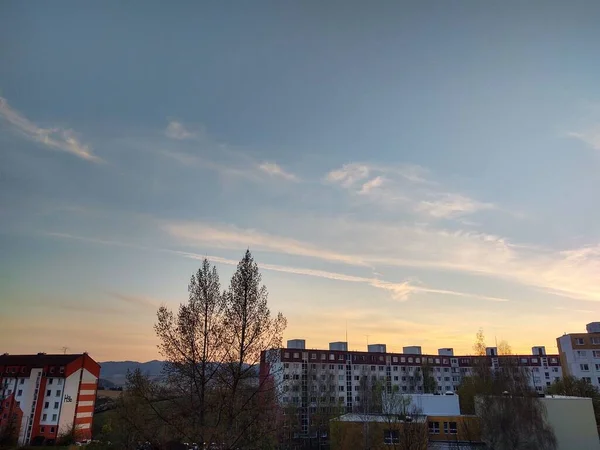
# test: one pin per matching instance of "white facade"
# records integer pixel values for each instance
(572, 419)
(311, 377)
(581, 361)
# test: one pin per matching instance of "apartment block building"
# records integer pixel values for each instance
(580, 354)
(44, 396)
(303, 376)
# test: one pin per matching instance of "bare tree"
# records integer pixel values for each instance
(479, 345)
(9, 431)
(191, 343)
(248, 330)
(511, 414)
(211, 391)
(504, 348)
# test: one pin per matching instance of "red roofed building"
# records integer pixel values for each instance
(45, 396)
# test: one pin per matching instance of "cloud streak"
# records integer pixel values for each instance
(275, 170)
(61, 139)
(405, 186)
(590, 137)
(569, 273)
(399, 291)
(176, 130)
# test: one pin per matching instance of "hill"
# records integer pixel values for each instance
(115, 372)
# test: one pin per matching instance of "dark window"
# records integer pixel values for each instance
(434, 428)
(391, 437)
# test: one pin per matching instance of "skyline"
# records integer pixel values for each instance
(416, 172)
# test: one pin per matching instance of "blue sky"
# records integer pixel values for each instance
(410, 171)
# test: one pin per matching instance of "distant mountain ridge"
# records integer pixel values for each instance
(115, 372)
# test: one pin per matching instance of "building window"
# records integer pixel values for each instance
(597, 366)
(395, 368)
(381, 368)
(53, 417)
(22, 381)
(587, 379)
(434, 428)
(46, 405)
(55, 405)
(595, 341)
(51, 429)
(410, 360)
(41, 429)
(581, 353)
(313, 356)
(395, 359)
(59, 381)
(579, 341)
(584, 367)
(450, 428)
(331, 357)
(391, 437)
(58, 393)
(48, 393)
(50, 380)
(44, 416)
(20, 391)
(296, 355)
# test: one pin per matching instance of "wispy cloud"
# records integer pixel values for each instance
(400, 291)
(136, 300)
(406, 186)
(275, 170)
(54, 138)
(571, 273)
(176, 130)
(451, 205)
(230, 237)
(590, 137)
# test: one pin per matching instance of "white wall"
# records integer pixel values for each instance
(67, 412)
(428, 404)
(26, 402)
(573, 421)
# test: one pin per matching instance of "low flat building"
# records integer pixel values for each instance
(420, 421)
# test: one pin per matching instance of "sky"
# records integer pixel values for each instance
(403, 172)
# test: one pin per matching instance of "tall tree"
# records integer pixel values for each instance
(249, 329)
(479, 345)
(211, 391)
(191, 343)
(510, 412)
